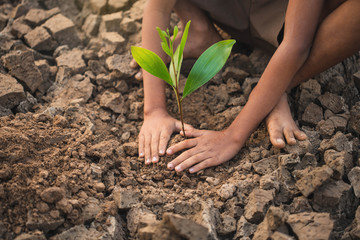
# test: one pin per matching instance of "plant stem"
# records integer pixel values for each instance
(178, 99)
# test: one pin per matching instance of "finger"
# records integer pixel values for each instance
(164, 139)
(192, 133)
(289, 136)
(189, 143)
(192, 160)
(138, 75)
(174, 164)
(300, 135)
(202, 165)
(155, 148)
(141, 145)
(147, 149)
(133, 64)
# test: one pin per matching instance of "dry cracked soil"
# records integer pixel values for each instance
(70, 112)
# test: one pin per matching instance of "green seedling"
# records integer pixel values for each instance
(207, 65)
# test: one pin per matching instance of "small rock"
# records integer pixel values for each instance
(78, 232)
(266, 165)
(111, 22)
(63, 30)
(354, 121)
(311, 225)
(258, 202)
(125, 199)
(340, 162)
(310, 91)
(36, 16)
(226, 191)
(235, 73)
(91, 25)
(114, 101)
(244, 229)
(11, 92)
(289, 160)
(339, 142)
(228, 225)
(98, 6)
(335, 197)
(37, 235)
(40, 40)
(120, 63)
(129, 25)
(274, 218)
(91, 209)
(185, 227)
(52, 194)
(73, 60)
(139, 217)
(42, 222)
(269, 181)
(312, 114)
(354, 177)
(300, 204)
(113, 38)
(131, 148)
(26, 72)
(64, 205)
(332, 102)
(116, 5)
(99, 187)
(19, 28)
(311, 181)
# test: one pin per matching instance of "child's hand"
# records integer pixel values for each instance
(155, 134)
(207, 149)
(133, 64)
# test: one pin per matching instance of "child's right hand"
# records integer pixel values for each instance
(155, 134)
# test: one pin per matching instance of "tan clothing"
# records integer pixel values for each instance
(256, 22)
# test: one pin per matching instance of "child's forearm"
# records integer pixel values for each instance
(156, 14)
(271, 86)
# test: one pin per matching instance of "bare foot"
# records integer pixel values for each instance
(200, 37)
(280, 124)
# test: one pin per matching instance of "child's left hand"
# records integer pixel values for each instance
(206, 149)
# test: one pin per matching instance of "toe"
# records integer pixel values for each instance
(300, 135)
(276, 138)
(289, 136)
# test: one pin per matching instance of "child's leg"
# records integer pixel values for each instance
(202, 33)
(337, 38)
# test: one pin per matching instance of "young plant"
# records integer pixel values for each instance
(207, 65)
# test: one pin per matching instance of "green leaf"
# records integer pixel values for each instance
(162, 35)
(208, 64)
(182, 45)
(165, 48)
(176, 30)
(151, 62)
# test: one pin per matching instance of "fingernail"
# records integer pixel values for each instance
(169, 151)
(170, 166)
(191, 170)
(148, 161)
(178, 168)
(141, 154)
(161, 151)
(279, 140)
(154, 159)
